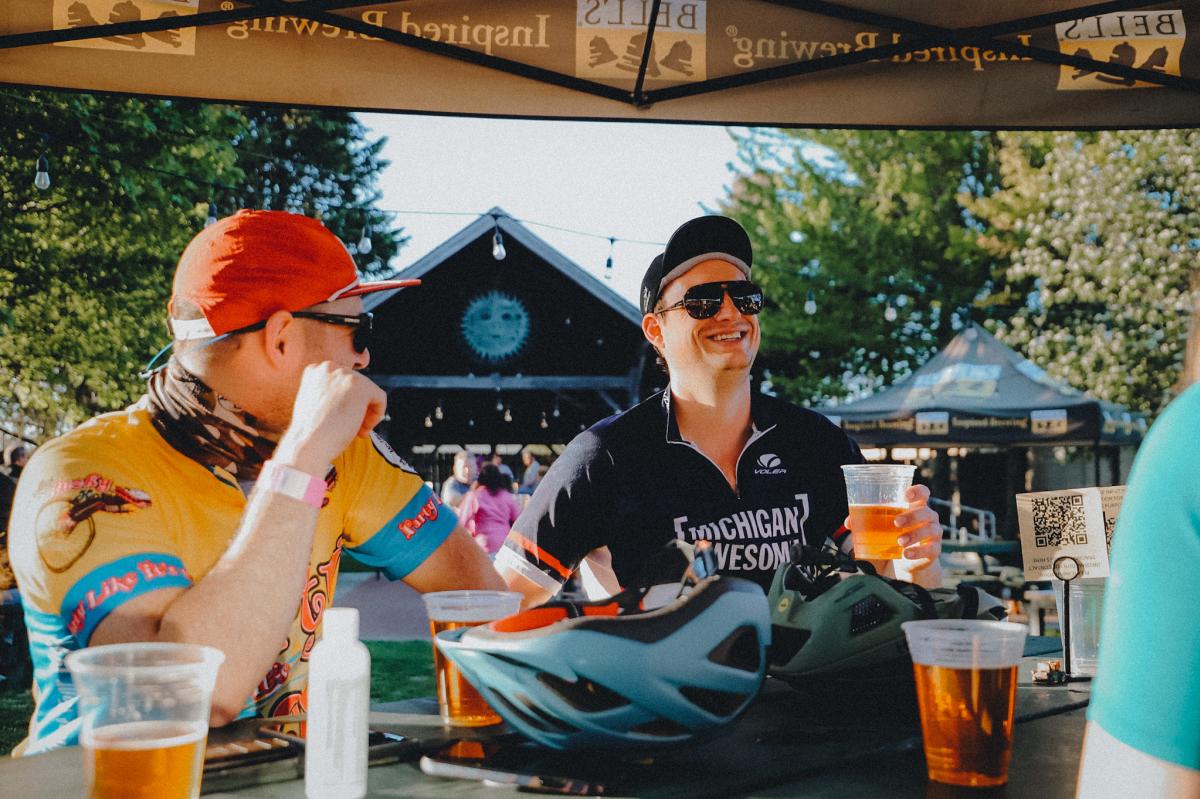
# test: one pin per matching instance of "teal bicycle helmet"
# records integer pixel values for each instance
(827, 626)
(610, 674)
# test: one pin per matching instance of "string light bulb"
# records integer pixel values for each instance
(608, 265)
(212, 214)
(428, 421)
(498, 251)
(507, 415)
(556, 412)
(810, 304)
(364, 241)
(437, 412)
(889, 313)
(41, 179)
(499, 404)
(543, 424)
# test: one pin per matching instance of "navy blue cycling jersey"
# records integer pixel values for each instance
(631, 483)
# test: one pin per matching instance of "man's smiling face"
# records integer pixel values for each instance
(725, 342)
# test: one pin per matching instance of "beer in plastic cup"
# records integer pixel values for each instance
(144, 710)
(458, 702)
(966, 675)
(875, 493)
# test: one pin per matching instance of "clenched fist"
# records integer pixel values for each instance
(334, 404)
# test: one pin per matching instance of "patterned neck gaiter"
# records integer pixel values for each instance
(205, 426)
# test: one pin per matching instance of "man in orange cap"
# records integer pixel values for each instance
(215, 510)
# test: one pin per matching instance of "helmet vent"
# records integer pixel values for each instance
(661, 728)
(531, 714)
(739, 650)
(583, 694)
(867, 614)
(718, 703)
(786, 643)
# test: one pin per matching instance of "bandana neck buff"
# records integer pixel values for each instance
(205, 426)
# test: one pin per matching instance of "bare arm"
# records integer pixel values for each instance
(458, 563)
(1110, 768)
(534, 594)
(245, 605)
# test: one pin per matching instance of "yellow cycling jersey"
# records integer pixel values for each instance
(111, 511)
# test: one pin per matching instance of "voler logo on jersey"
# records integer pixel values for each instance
(769, 463)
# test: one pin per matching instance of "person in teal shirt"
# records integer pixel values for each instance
(1143, 733)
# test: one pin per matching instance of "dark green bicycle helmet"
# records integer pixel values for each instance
(833, 618)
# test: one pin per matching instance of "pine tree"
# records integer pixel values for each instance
(318, 163)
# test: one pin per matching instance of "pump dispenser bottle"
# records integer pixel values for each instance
(339, 690)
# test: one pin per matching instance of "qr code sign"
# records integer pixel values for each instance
(1058, 521)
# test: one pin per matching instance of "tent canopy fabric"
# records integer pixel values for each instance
(895, 63)
(977, 391)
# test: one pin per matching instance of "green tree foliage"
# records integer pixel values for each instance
(1102, 235)
(860, 221)
(86, 265)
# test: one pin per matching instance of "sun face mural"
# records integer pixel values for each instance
(495, 326)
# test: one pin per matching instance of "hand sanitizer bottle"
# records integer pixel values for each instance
(339, 691)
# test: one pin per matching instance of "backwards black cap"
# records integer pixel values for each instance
(701, 239)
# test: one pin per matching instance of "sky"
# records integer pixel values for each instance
(633, 181)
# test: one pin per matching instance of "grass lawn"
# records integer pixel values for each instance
(15, 709)
(399, 670)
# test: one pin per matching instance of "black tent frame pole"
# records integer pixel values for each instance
(921, 36)
(201, 19)
(461, 54)
(646, 51)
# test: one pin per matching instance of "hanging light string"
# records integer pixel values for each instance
(42, 176)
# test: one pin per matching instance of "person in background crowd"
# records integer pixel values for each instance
(532, 474)
(1143, 732)
(709, 459)
(498, 461)
(222, 501)
(489, 509)
(458, 484)
(15, 458)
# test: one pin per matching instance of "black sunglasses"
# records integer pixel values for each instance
(362, 323)
(703, 301)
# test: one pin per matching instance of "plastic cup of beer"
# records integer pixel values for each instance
(875, 493)
(966, 675)
(459, 703)
(144, 710)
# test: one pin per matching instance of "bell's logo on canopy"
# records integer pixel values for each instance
(1151, 40)
(1049, 422)
(610, 40)
(933, 423)
(88, 13)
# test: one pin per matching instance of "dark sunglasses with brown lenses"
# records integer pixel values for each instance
(703, 301)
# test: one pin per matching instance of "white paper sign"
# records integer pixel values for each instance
(1069, 523)
(1110, 502)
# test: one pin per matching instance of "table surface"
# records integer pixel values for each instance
(788, 744)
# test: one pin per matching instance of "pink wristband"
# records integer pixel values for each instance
(280, 479)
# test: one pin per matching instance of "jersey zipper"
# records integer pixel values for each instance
(754, 436)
